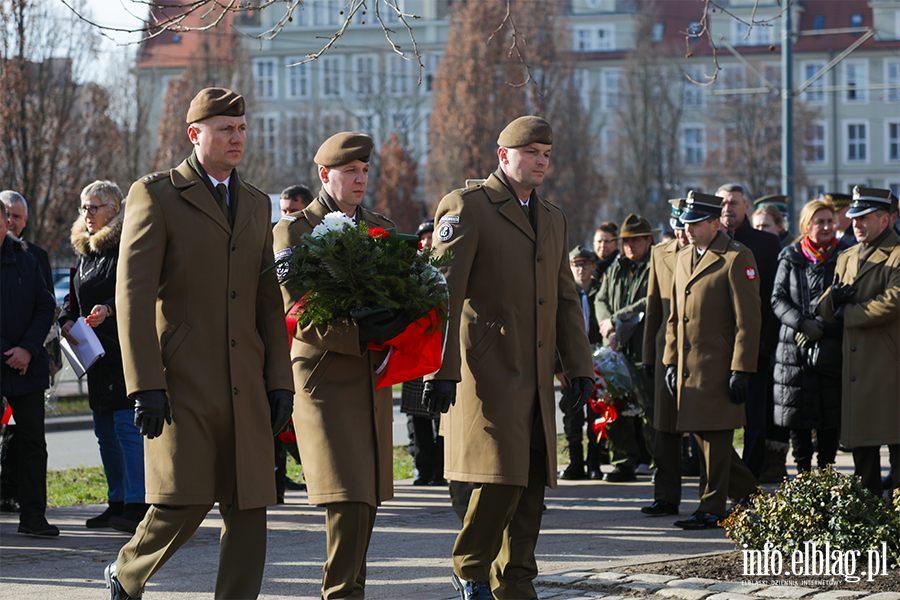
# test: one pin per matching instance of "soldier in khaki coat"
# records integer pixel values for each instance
(866, 297)
(667, 450)
(512, 302)
(204, 353)
(343, 424)
(712, 343)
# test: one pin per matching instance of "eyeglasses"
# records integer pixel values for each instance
(92, 210)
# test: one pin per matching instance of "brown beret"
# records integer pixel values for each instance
(212, 102)
(524, 131)
(344, 147)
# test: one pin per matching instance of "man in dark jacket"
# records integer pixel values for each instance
(622, 299)
(765, 248)
(26, 318)
(17, 214)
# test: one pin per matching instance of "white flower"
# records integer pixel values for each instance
(333, 221)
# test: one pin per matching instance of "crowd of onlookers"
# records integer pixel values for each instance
(809, 390)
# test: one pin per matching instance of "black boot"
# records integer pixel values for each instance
(115, 509)
(575, 470)
(129, 520)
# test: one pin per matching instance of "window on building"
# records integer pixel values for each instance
(893, 141)
(326, 12)
(298, 149)
(812, 93)
(895, 189)
(892, 78)
(856, 142)
(366, 122)
(267, 133)
(332, 80)
(610, 89)
(658, 30)
(399, 75)
(772, 72)
(389, 12)
(694, 93)
(815, 190)
(856, 75)
(432, 61)
(856, 20)
(744, 35)
(264, 76)
(297, 78)
(332, 123)
(364, 73)
(733, 77)
(401, 124)
(694, 149)
(818, 22)
(592, 39)
(815, 146)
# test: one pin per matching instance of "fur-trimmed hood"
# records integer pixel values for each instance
(102, 242)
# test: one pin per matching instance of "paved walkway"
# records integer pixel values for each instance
(590, 529)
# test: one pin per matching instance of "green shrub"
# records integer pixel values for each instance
(818, 507)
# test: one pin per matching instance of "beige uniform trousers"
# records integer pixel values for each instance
(165, 529)
(348, 529)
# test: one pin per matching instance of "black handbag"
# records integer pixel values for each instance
(826, 357)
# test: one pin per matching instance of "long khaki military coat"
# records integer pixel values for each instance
(512, 302)
(343, 424)
(198, 319)
(870, 400)
(713, 329)
(659, 304)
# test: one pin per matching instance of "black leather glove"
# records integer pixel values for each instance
(739, 387)
(281, 403)
(672, 380)
(439, 395)
(582, 387)
(648, 371)
(813, 329)
(380, 327)
(842, 293)
(151, 412)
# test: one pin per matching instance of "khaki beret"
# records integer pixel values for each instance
(524, 131)
(212, 102)
(344, 147)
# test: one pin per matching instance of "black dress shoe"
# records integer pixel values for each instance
(115, 509)
(290, 484)
(9, 505)
(699, 520)
(131, 518)
(596, 475)
(620, 474)
(438, 482)
(116, 591)
(468, 590)
(660, 508)
(420, 480)
(573, 473)
(37, 526)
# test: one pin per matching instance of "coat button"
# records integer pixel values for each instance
(235, 391)
(687, 293)
(232, 343)
(687, 346)
(853, 378)
(233, 247)
(540, 344)
(685, 319)
(538, 258)
(233, 294)
(685, 375)
(540, 301)
(852, 348)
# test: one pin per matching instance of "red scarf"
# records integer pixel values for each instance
(815, 254)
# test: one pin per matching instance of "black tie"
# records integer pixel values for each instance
(223, 199)
(527, 212)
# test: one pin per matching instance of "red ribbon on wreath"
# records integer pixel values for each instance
(607, 414)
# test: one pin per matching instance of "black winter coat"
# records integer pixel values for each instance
(95, 283)
(804, 399)
(26, 314)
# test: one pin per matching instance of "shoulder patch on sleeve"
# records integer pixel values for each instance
(282, 269)
(444, 232)
(288, 218)
(751, 273)
(155, 176)
(450, 219)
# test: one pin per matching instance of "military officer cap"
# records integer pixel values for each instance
(425, 227)
(779, 201)
(867, 200)
(635, 226)
(212, 102)
(344, 147)
(583, 253)
(677, 209)
(838, 199)
(524, 131)
(699, 207)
